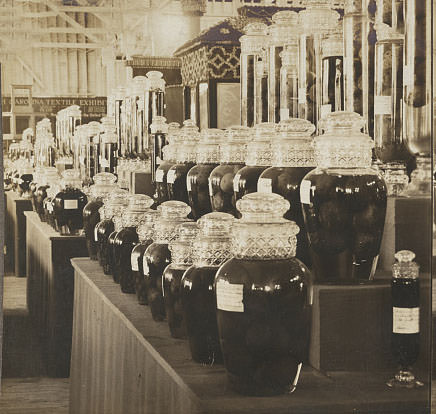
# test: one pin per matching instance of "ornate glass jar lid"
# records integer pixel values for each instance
(259, 149)
(119, 93)
(104, 183)
(182, 246)
(108, 133)
(188, 138)
(169, 152)
(289, 55)
(155, 81)
(159, 124)
(386, 33)
(138, 86)
(139, 203)
(405, 267)
(54, 189)
(189, 132)
(262, 233)
(212, 246)
(172, 213)
(173, 132)
(285, 27)
(71, 178)
(234, 149)
(208, 149)
(255, 38)
(332, 43)
(293, 146)
(145, 228)
(356, 7)
(343, 145)
(318, 17)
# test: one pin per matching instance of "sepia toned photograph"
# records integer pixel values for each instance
(217, 207)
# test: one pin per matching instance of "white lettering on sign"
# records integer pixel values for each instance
(71, 204)
(171, 176)
(229, 297)
(405, 320)
(264, 185)
(305, 191)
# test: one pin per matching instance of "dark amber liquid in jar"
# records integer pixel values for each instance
(198, 301)
(248, 177)
(104, 229)
(171, 285)
(123, 245)
(111, 257)
(198, 189)
(161, 193)
(137, 256)
(68, 209)
(91, 217)
(177, 189)
(38, 201)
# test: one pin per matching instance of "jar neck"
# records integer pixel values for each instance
(211, 252)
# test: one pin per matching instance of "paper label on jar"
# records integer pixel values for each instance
(229, 296)
(49, 207)
(236, 182)
(301, 95)
(382, 105)
(134, 263)
(104, 162)
(325, 110)
(71, 204)
(96, 234)
(171, 176)
(405, 320)
(264, 185)
(188, 184)
(209, 181)
(159, 176)
(145, 265)
(305, 191)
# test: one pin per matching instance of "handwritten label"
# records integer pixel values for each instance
(264, 185)
(405, 320)
(305, 191)
(171, 176)
(229, 297)
(159, 176)
(71, 204)
(382, 105)
(134, 262)
(236, 182)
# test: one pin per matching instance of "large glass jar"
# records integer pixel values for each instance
(113, 207)
(186, 158)
(344, 203)
(169, 152)
(159, 131)
(232, 158)
(37, 180)
(104, 183)
(157, 256)
(69, 203)
(210, 249)
(127, 238)
(292, 159)
(289, 81)
(26, 177)
(145, 232)
(263, 298)
(181, 260)
(197, 180)
(257, 161)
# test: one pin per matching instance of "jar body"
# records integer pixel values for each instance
(258, 335)
(176, 182)
(344, 219)
(171, 285)
(38, 201)
(138, 270)
(161, 193)
(24, 186)
(245, 181)
(111, 259)
(68, 210)
(222, 196)
(156, 258)
(124, 243)
(91, 217)
(197, 182)
(104, 230)
(286, 182)
(198, 302)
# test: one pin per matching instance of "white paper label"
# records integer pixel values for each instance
(210, 187)
(264, 185)
(71, 204)
(405, 320)
(104, 162)
(188, 184)
(171, 176)
(96, 234)
(159, 176)
(236, 182)
(229, 296)
(325, 110)
(301, 95)
(305, 191)
(145, 265)
(134, 262)
(382, 105)
(49, 207)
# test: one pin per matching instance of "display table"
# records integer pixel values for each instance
(50, 290)
(15, 233)
(123, 362)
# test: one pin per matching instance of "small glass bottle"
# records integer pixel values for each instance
(181, 260)
(157, 256)
(344, 202)
(145, 232)
(263, 298)
(405, 326)
(126, 239)
(292, 159)
(104, 183)
(186, 157)
(210, 249)
(233, 152)
(169, 152)
(258, 159)
(208, 158)
(69, 203)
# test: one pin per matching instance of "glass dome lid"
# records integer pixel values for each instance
(234, 147)
(182, 246)
(343, 144)
(259, 151)
(71, 178)
(285, 27)
(318, 17)
(173, 132)
(139, 203)
(255, 38)
(145, 228)
(262, 233)
(405, 267)
(208, 149)
(172, 213)
(104, 183)
(159, 124)
(332, 43)
(155, 80)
